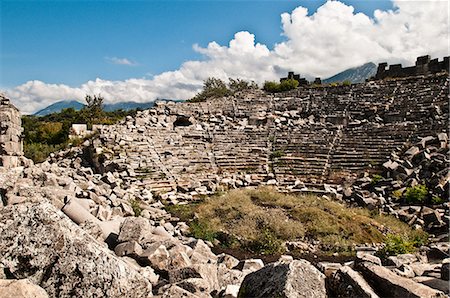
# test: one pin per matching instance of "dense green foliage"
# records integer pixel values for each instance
(285, 85)
(216, 88)
(47, 134)
(416, 194)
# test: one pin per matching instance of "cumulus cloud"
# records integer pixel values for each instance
(330, 40)
(120, 61)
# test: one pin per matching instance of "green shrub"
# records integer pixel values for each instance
(285, 85)
(271, 87)
(38, 152)
(395, 245)
(346, 83)
(403, 244)
(416, 194)
(237, 85)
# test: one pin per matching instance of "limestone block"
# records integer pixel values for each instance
(348, 283)
(435, 283)
(20, 288)
(227, 260)
(134, 229)
(390, 284)
(157, 256)
(230, 291)
(295, 279)
(130, 248)
(39, 243)
(250, 265)
(201, 252)
(179, 257)
(362, 256)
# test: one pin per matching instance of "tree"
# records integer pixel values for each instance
(212, 88)
(236, 85)
(216, 88)
(93, 109)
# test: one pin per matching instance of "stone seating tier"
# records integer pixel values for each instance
(308, 134)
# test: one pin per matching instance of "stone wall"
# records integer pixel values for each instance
(424, 65)
(11, 148)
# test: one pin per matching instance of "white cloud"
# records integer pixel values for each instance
(332, 39)
(120, 61)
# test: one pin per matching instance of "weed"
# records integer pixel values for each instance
(397, 194)
(276, 154)
(137, 209)
(375, 179)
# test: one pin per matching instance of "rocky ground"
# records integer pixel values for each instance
(152, 254)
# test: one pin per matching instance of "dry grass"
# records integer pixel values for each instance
(261, 219)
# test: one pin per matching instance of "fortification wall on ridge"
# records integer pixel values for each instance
(424, 66)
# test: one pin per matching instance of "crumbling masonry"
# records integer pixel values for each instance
(11, 148)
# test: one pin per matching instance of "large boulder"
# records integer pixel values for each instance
(39, 243)
(390, 284)
(134, 229)
(348, 283)
(20, 288)
(294, 279)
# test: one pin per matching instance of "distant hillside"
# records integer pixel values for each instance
(355, 75)
(109, 107)
(60, 105)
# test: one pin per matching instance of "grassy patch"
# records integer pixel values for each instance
(261, 220)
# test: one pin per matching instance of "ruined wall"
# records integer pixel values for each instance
(11, 148)
(424, 66)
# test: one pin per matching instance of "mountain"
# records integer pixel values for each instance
(60, 105)
(109, 107)
(129, 105)
(355, 75)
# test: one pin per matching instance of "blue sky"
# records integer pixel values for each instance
(53, 50)
(69, 41)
